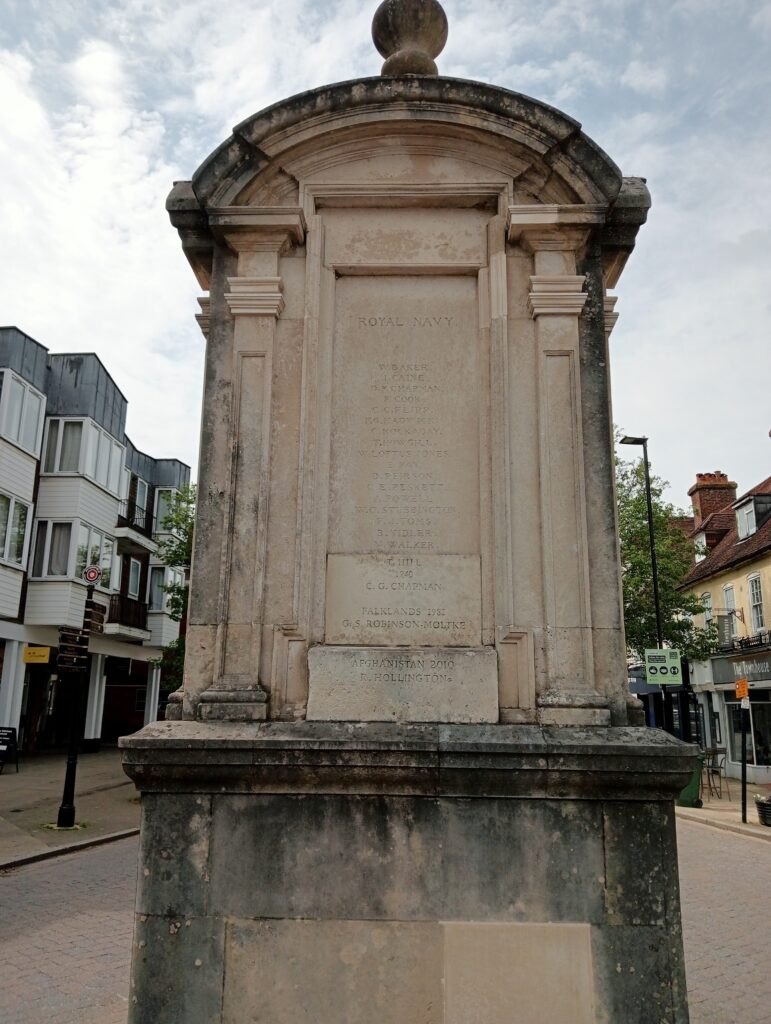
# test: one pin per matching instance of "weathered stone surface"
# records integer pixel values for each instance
(406, 859)
(419, 600)
(639, 975)
(547, 968)
(403, 684)
(361, 832)
(370, 972)
(174, 855)
(176, 970)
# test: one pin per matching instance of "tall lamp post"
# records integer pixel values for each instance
(643, 443)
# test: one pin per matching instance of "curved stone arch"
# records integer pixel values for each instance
(559, 152)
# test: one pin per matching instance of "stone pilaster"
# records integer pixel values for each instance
(556, 237)
(255, 301)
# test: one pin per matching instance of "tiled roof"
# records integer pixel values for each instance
(729, 550)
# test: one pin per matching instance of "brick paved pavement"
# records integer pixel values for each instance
(725, 881)
(66, 932)
(65, 940)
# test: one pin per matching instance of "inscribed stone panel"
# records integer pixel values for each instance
(404, 599)
(405, 417)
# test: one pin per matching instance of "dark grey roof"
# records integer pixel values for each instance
(24, 355)
(158, 472)
(79, 385)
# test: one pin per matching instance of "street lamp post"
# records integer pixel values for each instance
(643, 443)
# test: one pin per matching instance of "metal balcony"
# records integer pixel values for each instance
(135, 517)
(127, 611)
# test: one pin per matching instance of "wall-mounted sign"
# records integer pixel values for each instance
(662, 667)
(36, 655)
(754, 668)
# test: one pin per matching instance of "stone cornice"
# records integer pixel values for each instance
(521, 219)
(255, 296)
(610, 314)
(556, 295)
(426, 760)
(204, 317)
(259, 228)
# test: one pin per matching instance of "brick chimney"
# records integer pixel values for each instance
(711, 493)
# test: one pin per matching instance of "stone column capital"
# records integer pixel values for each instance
(255, 296)
(259, 229)
(552, 227)
(556, 295)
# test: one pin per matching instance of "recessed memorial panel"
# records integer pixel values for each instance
(405, 416)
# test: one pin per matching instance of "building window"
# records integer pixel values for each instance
(14, 522)
(163, 504)
(135, 570)
(745, 520)
(94, 548)
(730, 607)
(54, 554)
(52, 549)
(21, 412)
(79, 446)
(63, 443)
(141, 499)
(156, 594)
(756, 603)
(706, 600)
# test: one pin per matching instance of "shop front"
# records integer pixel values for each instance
(756, 669)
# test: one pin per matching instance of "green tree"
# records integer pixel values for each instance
(674, 555)
(175, 549)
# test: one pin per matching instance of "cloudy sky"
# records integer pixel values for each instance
(104, 104)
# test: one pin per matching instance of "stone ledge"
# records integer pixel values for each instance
(504, 761)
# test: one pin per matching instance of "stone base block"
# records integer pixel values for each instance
(402, 684)
(382, 874)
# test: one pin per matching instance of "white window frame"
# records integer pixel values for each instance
(129, 592)
(706, 600)
(93, 530)
(72, 555)
(730, 607)
(745, 520)
(49, 524)
(61, 420)
(173, 492)
(12, 503)
(756, 606)
(5, 391)
(90, 464)
(88, 460)
(142, 504)
(164, 598)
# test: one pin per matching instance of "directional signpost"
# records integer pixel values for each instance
(72, 663)
(743, 693)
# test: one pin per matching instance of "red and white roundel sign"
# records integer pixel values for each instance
(92, 573)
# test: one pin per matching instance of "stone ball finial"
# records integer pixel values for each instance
(409, 34)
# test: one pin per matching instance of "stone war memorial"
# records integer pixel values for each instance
(404, 782)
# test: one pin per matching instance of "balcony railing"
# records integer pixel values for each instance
(743, 643)
(126, 611)
(138, 518)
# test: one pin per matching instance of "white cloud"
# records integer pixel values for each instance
(645, 78)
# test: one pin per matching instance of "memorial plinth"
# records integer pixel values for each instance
(403, 781)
